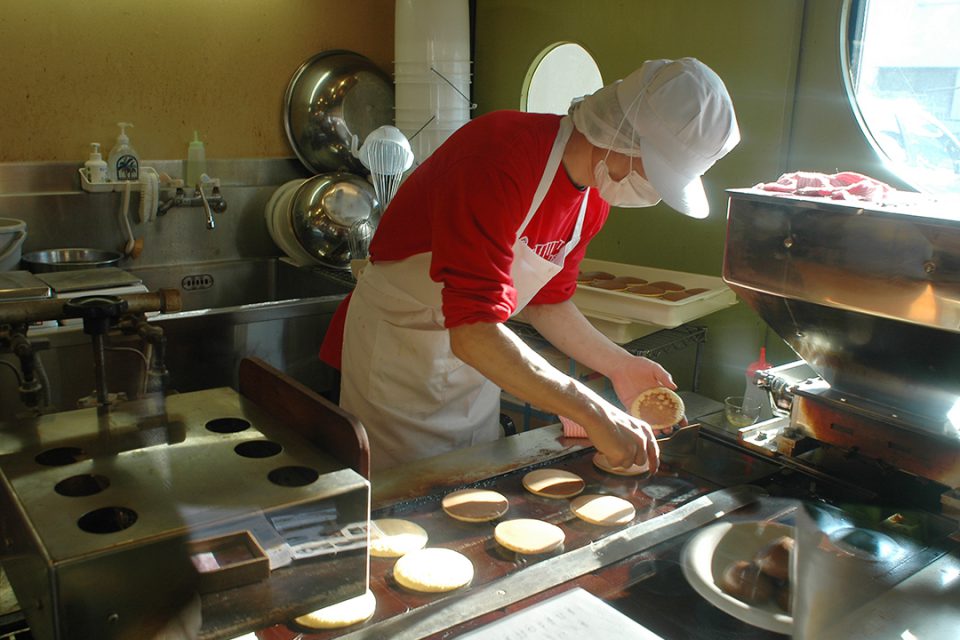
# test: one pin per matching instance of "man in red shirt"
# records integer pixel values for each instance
(497, 221)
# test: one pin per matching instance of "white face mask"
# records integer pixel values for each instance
(633, 191)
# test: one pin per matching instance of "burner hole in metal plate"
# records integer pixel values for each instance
(60, 456)
(227, 425)
(82, 485)
(293, 476)
(258, 449)
(107, 520)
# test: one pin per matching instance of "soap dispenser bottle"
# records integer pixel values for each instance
(196, 160)
(95, 166)
(123, 162)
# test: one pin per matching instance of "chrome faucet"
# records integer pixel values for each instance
(215, 202)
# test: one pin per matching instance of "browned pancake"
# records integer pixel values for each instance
(676, 296)
(659, 407)
(475, 505)
(667, 286)
(615, 284)
(696, 291)
(647, 290)
(589, 276)
(632, 279)
(553, 483)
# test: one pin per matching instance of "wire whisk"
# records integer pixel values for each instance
(387, 154)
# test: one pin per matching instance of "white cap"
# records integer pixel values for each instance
(676, 115)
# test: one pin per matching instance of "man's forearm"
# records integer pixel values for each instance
(508, 362)
(566, 329)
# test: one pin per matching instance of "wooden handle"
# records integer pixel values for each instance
(321, 422)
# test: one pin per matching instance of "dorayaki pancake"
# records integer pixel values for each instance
(696, 291)
(475, 505)
(433, 570)
(589, 276)
(602, 463)
(659, 407)
(632, 279)
(529, 536)
(676, 296)
(646, 290)
(605, 510)
(553, 483)
(609, 285)
(342, 614)
(666, 285)
(393, 537)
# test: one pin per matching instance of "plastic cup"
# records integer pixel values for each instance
(741, 411)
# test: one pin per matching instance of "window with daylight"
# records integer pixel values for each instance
(561, 73)
(904, 63)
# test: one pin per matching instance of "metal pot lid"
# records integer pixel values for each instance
(332, 97)
(324, 210)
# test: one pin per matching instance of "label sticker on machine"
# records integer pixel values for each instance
(317, 533)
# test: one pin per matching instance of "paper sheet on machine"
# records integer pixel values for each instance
(573, 615)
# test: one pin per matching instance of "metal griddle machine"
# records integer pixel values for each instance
(217, 512)
(869, 298)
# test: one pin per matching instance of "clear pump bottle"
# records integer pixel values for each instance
(124, 162)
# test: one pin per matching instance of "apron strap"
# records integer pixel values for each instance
(553, 163)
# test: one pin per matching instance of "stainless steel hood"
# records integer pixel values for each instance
(868, 296)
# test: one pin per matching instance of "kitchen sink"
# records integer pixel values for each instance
(236, 283)
(266, 308)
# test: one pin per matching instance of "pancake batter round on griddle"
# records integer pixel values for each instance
(553, 483)
(475, 505)
(605, 510)
(433, 570)
(393, 537)
(529, 536)
(600, 461)
(342, 614)
(659, 407)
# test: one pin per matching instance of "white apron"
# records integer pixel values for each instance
(400, 378)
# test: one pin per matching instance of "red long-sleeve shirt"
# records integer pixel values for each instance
(465, 204)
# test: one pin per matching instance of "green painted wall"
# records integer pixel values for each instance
(781, 61)
(754, 45)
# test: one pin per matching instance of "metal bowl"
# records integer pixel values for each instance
(69, 259)
(332, 97)
(327, 209)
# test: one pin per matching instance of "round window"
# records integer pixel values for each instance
(904, 63)
(561, 73)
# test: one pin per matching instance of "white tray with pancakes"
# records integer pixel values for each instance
(611, 306)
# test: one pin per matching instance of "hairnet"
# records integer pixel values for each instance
(676, 115)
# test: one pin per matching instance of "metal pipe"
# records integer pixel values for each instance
(164, 300)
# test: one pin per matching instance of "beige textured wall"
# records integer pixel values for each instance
(71, 70)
